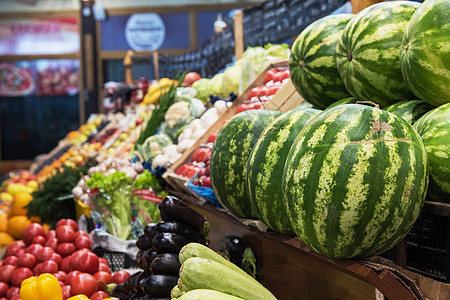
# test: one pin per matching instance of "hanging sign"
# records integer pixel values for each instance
(145, 32)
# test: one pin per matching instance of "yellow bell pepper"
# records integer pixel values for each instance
(45, 287)
(77, 297)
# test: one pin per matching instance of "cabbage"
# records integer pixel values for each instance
(202, 88)
(154, 145)
(230, 82)
(185, 93)
(179, 115)
(215, 85)
(277, 51)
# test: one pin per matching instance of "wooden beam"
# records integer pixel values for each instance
(193, 32)
(358, 5)
(238, 33)
(120, 54)
(156, 64)
(40, 14)
(127, 62)
(75, 55)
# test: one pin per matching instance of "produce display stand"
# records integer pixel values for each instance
(290, 270)
(179, 182)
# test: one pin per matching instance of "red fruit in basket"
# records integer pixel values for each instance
(65, 291)
(55, 257)
(50, 234)
(103, 278)
(254, 92)
(103, 261)
(68, 222)
(18, 252)
(70, 276)
(65, 264)
(65, 249)
(81, 233)
(13, 247)
(31, 231)
(187, 170)
(52, 243)
(13, 292)
(34, 249)
(84, 261)
(206, 182)
(48, 266)
(61, 276)
(10, 260)
(83, 283)
(212, 138)
(104, 267)
(120, 276)
(39, 239)
(99, 295)
(273, 89)
(26, 260)
(82, 242)
(3, 288)
(263, 91)
(6, 273)
(201, 154)
(44, 254)
(19, 275)
(65, 234)
(196, 182)
(270, 75)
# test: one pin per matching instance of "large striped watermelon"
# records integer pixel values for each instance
(349, 100)
(367, 54)
(410, 110)
(229, 156)
(434, 128)
(312, 63)
(355, 181)
(425, 52)
(265, 167)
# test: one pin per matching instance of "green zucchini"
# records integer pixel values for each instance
(202, 294)
(202, 273)
(176, 292)
(199, 250)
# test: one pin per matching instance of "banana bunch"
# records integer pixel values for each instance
(155, 91)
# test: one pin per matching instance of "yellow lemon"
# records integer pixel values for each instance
(5, 239)
(33, 184)
(6, 196)
(20, 201)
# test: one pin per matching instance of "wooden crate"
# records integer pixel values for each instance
(287, 98)
(175, 180)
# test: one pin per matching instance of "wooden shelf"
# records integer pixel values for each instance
(293, 271)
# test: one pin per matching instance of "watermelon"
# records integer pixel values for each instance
(355, 181)
(265, 167)
(367, 55)
(434, 128)
(348, 100)
(312, 64)
(425, 52)
(229, 156)
(410, 110)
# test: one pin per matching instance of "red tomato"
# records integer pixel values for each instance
(44, 254)
(12, 292)
(82, 242)
(18, 252)
(212, 137)
(34, 249)
(31, 231)
(65, 249)
(14, 246)
(48, 266)
(189, 79)
(70, 276)
(273, 89)
(99, 295)
(84, 261)
(52, 243)
(39, 239)
(6, 273)
(65, 233)
(10, 260)
(263, 91)
(50, 234)
(69, 222)
(254, 92)
(285, 74)
(3, 288)
(65, 291)
(19, 275)
(26, 260)
(64, 265)
(15, 297)
(105, 279)
(103, 267)
(61, 276)
(201, 154)
(56, 258)
(278, 77)
(103, 261)
(83, 283)
(270, 75)
(187, 170)
(81, 233)
(120, 276)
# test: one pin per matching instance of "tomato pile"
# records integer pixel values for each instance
(65, 253)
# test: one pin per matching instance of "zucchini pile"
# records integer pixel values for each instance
(204, 274)
(159, 248)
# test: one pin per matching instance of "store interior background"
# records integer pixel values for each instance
(70, 48)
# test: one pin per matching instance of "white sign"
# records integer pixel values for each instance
(145, 32)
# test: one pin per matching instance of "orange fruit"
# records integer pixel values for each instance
(18, 206)
(3, 222)
(5, 239)
(35, 219)
(16, 225)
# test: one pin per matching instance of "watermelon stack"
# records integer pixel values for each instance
(434, 128)
(312, 63)
(367, 54)
(411, 110)
(355, 181)
(229, 156)
(425, 52)
(265, 167)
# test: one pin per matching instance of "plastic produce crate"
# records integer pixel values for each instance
(117, 260)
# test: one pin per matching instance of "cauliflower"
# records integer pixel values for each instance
(176, 112)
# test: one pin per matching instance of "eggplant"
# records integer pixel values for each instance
(143, 243)
(149, 231)
(180, 228)
(142, 264)
(234, 248)
(174, 209)
(168, 242)
(138, 282)
(166, 264)
(129, 282)
(149, 256)
(159, 285)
